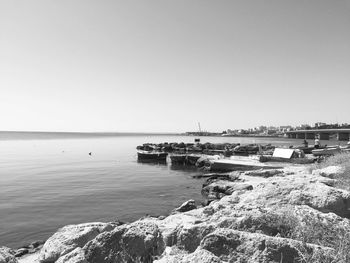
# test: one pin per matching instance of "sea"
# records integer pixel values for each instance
(49, 180)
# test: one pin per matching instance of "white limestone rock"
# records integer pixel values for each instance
(70, 237)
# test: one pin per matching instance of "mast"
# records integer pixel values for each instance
(199, 126)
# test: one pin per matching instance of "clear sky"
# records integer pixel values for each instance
(164, 66)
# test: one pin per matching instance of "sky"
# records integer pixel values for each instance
(164, 66)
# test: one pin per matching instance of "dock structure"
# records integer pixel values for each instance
(322, 134)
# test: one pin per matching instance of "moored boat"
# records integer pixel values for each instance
(326, 151)
(226, 165)
(303, 160)
(246, 149)
(305, 149)
(346, 148)
(151, 155)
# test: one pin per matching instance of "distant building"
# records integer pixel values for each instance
(241, 131)
(320, 124)
(229, 131)
(285, 128)
(303, 127)
(262, 128)
(270, 131)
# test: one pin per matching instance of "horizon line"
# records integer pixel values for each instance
(91, 132)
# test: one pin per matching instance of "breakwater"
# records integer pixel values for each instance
(208, 148)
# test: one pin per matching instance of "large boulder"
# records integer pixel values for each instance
(302, 189)
(217, 188)
(237, 246)
(172, 224)
(70, 237)
(269, 222)
(189, 236)
(140, 241)
(7, 255)
(315, 227)
(301, 223)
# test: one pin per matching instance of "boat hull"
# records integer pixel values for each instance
(267, 158)
(326, 151)
(151, 156)
(233, 165)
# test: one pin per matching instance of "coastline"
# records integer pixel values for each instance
(256, 208)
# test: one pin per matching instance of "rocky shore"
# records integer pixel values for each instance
(295, 214)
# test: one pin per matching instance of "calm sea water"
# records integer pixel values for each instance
(48, 181)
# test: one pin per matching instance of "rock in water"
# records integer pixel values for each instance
(186, 206)
(22, 251)
(7, 255)
(70, 237)
(36, 244)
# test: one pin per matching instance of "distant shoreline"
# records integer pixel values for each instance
(45, 135)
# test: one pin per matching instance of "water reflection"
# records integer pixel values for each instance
(183, 167)
(152, 162)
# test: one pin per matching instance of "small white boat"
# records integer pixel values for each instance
(326, 151)
(225, 165)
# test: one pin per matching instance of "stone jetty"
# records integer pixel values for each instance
(207, 148)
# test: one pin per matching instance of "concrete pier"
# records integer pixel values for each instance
(323, 134)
